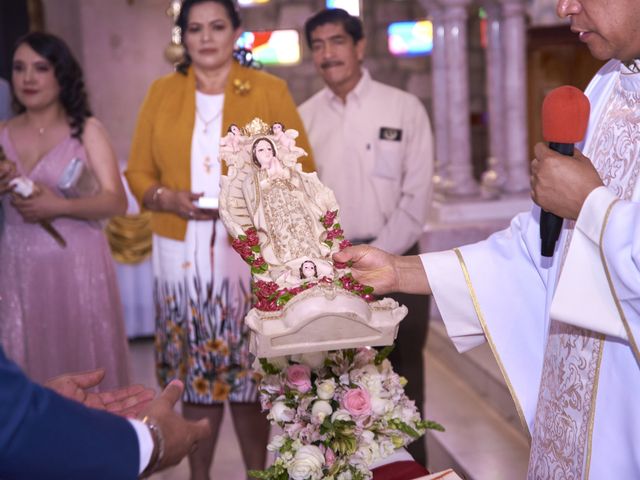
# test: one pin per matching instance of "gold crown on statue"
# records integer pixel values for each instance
(256, 127)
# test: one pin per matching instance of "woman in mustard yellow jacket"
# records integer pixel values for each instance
(202, 286)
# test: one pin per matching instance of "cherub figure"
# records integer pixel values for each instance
(233, 140)
(286, 138)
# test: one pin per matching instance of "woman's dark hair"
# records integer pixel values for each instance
(73, 95)
(183, 19)
(256, 162)
(352, 25)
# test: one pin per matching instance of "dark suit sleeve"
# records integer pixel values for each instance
(46, 436)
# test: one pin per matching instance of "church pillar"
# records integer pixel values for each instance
(495, 91)
(515, 91)
(461, 181)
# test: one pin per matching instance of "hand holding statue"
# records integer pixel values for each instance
(383, 271)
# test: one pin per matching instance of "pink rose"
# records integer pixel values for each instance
(344, 244)
(299, 377)
(329, 218)
(357, 402)
(252, 237)
(335, 233)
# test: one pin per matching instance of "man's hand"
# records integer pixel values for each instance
(561, 184)
(128, 401)
(180, 436)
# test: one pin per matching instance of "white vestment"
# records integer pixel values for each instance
(564, 331)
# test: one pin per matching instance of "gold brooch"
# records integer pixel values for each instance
(241, 87)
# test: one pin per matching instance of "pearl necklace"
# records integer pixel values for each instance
(207, 122)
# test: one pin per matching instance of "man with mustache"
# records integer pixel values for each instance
(373, 147)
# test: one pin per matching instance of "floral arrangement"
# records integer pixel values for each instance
(248, 246)
(340, 411)
(270, 297)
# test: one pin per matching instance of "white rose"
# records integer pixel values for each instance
(307, 462)
(326, 389)
(344, 476)
(320, 409)
(340, 414)
(281, 413)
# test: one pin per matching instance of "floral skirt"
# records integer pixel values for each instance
(202, 295)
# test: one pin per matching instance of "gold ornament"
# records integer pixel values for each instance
(256, 127)
(174, 53)
(241, 87)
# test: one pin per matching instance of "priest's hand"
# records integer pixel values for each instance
(383, 271)
(561, 184)
(127, 401)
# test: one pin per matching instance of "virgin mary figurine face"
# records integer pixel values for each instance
(263, 153)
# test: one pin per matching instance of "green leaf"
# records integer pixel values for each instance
(384, 353)
(284, 298)
(269, 368)
(255, 248)
(430, 425)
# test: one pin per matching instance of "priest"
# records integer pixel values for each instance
(565, 329)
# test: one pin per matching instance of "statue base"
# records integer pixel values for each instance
(324, 318)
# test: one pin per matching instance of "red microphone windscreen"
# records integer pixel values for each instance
(565, 114)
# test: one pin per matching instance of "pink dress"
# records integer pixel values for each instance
(60, 308)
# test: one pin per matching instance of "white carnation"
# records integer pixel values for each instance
(307, 463)
(320, 409)
(314, 360)
(381, 406)
(326, 389)
(340, 414)
(276, 443)
(281, 413)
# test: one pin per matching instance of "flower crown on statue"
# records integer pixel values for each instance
(340, 412)
(285, 224)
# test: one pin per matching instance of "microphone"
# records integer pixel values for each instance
(565, 115)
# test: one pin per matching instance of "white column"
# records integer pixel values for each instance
(439, 94)
(461, 181)
(515, 91)
(495, 89)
